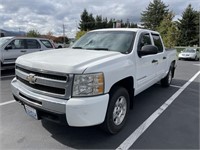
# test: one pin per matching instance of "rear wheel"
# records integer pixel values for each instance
(166, 81)
(117, 110)
(196, 58)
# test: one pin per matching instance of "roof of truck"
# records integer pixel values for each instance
(125, 29)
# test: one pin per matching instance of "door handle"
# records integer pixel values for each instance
(154, 61)
(23, 50)
(164, 57)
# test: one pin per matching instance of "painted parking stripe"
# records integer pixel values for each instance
(5, 103)
(143, 127)
(176, 86)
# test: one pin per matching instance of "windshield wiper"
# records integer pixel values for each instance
(98, 49)
(77, 47)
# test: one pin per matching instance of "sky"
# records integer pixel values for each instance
(50, 15)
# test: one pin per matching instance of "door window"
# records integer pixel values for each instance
(17, 44)
(33, 44)
(157, 42)
(144, 39)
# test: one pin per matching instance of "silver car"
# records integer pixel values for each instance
(189, 53)
(13, 47)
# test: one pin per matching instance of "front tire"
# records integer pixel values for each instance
(117, 111)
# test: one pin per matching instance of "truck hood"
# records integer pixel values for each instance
(65, 60)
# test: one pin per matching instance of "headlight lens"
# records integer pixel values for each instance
(88, 84)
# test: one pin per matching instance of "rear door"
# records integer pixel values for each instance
(161, 56)
(32, 45)
(13, 50)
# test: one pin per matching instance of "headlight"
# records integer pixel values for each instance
(88, 84)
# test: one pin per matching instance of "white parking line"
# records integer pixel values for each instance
(196, 64)
(143, 127)
(176, 86)
(5, 103)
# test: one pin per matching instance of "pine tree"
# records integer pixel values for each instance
(188, 26)
(87, 21)
(154, 14)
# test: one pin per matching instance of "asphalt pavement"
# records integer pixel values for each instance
(177, 127)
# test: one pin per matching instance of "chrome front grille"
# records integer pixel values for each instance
(45, 82)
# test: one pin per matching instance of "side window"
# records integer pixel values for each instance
(47, 43)
(33, 44)
(157, 42)
(144, 40)
(17, 44)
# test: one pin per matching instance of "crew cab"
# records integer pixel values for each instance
(93, 82)
(13, 47)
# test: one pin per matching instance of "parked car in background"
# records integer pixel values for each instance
(189, 53)
(13, 47)
(59, 45)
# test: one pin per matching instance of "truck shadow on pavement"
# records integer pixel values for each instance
(94, 138)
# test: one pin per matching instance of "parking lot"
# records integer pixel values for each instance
(150, 125)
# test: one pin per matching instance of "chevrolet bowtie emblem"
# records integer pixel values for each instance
(31, 78)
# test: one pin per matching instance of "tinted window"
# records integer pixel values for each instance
(47, 43)
(144, 40)
(17, 44)
(33, 44)
(157, 42)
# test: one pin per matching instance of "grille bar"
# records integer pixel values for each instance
(44, 75)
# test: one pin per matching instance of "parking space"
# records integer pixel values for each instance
(176, 128)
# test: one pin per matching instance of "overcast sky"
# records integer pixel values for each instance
(50, 15)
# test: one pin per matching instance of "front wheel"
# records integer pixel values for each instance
(117, 111)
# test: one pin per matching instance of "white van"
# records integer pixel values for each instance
(13, 47)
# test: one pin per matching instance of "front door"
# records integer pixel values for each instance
(13, 50)
(146, 65)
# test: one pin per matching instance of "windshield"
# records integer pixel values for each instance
(119, 41)
(3, 40)
(189, 50)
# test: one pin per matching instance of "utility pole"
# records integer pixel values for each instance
(199, 27)
(64, 35)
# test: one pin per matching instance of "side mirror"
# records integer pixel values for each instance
(8, 47)
(148, 50)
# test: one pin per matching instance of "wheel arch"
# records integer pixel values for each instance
(128, 84)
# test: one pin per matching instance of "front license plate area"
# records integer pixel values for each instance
(31, 111)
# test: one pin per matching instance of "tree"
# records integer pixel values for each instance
(80, 34)
(87, 21)
(154, 14)
(169, 30)
(33, 33)
(188, 26)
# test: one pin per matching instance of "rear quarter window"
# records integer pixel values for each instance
(47, 43)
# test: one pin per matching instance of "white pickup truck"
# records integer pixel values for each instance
(93, 82)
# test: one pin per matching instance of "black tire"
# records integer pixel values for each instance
(196, 58)
(119, 105)
(166, 81)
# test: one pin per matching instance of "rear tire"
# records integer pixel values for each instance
(166, 81)
(117, 111)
